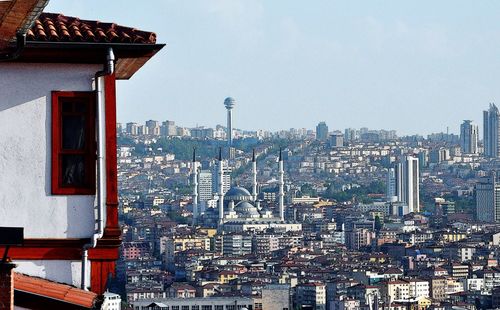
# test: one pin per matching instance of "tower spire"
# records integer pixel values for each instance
(229, 103)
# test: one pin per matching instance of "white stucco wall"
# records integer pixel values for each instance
(61, 271)
(25, 158)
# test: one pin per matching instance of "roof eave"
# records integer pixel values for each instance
(130, 57)
(65, 302)
(18, 16)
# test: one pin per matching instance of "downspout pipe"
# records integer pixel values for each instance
(20, 44)
(109, 68)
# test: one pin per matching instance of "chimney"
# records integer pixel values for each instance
(7, 286)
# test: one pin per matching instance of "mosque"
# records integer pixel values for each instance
(239, 210)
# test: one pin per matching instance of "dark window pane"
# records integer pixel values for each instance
(73, 135)
(80, 107)
(73, 170)
(67, 106)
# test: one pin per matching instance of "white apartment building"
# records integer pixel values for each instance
(418, 288)
(397, 291)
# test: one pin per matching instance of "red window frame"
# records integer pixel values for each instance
(89, 149)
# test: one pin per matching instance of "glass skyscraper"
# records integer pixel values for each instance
(491, 132)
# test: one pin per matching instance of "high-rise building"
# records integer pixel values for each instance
(336, 139)
(322, 131)
(423, 156)
(142, 130)
(412, 179)
(469, 136)
(399, 181)
(488, 199)
(205, 185)
(406, 182)
(132, 129)
(351, 134)
(391, 185)
(491, 130)
(153, 127)
(168, 128)
(439, 155)
(226, 178)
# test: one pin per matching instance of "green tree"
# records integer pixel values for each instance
(308, 190)
(361, 193)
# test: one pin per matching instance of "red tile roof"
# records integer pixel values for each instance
(53, 290)
(50, 27)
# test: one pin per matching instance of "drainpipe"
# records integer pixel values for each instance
(20, 44)
(109, 68)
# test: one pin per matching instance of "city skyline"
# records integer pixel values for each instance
(343, 209)
(338, 62)
(313, 130)
(452, 129)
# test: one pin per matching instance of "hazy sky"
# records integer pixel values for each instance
(413, 66)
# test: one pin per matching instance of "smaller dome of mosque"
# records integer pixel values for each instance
(246, 210)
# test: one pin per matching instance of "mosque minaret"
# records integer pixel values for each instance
(254, 177)
(195, 188)
(220, 176)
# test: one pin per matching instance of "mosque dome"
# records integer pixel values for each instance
(237, 194)
(245, 209)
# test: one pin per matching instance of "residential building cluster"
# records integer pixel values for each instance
(269, 228)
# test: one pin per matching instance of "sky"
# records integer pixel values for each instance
(413, 66)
